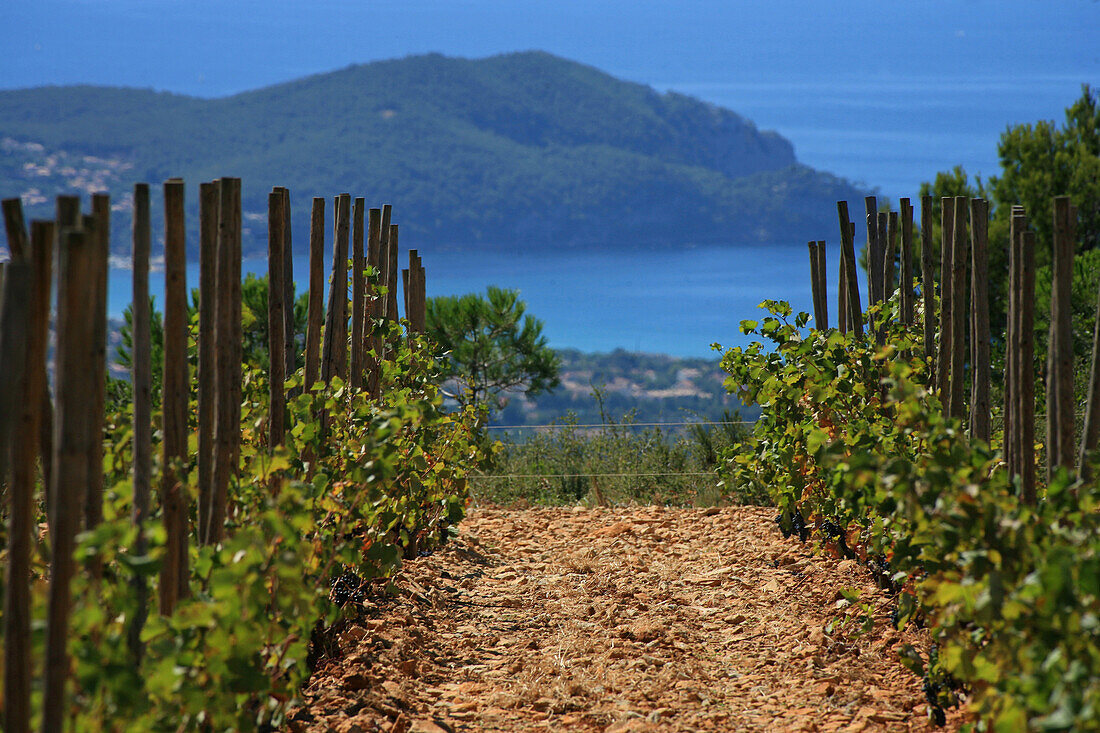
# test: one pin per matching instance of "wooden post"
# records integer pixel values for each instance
(18, 450)
(25, 447)
(874, 261)
(141, 373)
(422, 297)
(842, 294)
(417, 308)
(980, 427)
(822, 283)
(947, 248)
(891, 227)
(358, 294)
(1026, 369)
(208, 253)
(384, 259)
(960, 312)
(882, 236)
(101, 243)
(391, 304)
(815, 286)
(334, 359)
(1060, 417)
(374, 314)
(227, 403)
(851, 278)
(175, 387)
(13, 355)
(391, 296)
(276, 317)
(1018, 222)
(236, 373)
(907, 263)
(405, 290)
(316, 291)
(12, 358)
(16, 228)
(72, 446)
(289, 343)
(1060, 347)
(928, 283)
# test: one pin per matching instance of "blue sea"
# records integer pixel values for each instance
(676, 302)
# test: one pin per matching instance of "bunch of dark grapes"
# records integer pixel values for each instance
(932, 694)
(880, 570)
(831, 529)
(800, 527)
(347, 588)
(783, 527)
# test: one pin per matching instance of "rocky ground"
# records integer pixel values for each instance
(620, 620)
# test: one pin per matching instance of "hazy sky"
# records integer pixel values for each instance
(214, 47)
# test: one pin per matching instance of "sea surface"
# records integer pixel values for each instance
(676, 302)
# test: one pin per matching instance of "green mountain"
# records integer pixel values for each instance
(514, 151)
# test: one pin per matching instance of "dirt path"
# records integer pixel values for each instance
(619, 620)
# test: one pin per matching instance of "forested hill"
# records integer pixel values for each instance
(521, 150)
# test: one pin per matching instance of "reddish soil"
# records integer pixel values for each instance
(619, 620)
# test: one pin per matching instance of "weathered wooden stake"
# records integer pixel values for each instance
(851, 278)
(276, 317)
(1060, 418)
(374, 310)
(236, 374)
(980, 417)
(391, 296)
(419, 316)
(874, 250)
(72, 447)
(405, 290)
(1018, 222)
(142, 376)
(334, 358)
(16, 227)
(101, 243)
(290, 348)
(815, 285)
(18, 448)
(887, 235)
(1026, 370)
(842, 294)
(227, 324)
(358, 295)
(928, 282)
(175, 394)
(316, 291)
(947, 249)
(392, 284)
(823, 284)
(208, 252)
(960, 313)
(907, 263)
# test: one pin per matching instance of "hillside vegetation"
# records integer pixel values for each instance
(520, 150)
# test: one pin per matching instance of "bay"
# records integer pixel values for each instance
(677, 301)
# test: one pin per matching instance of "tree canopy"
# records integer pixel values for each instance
(493, 347)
